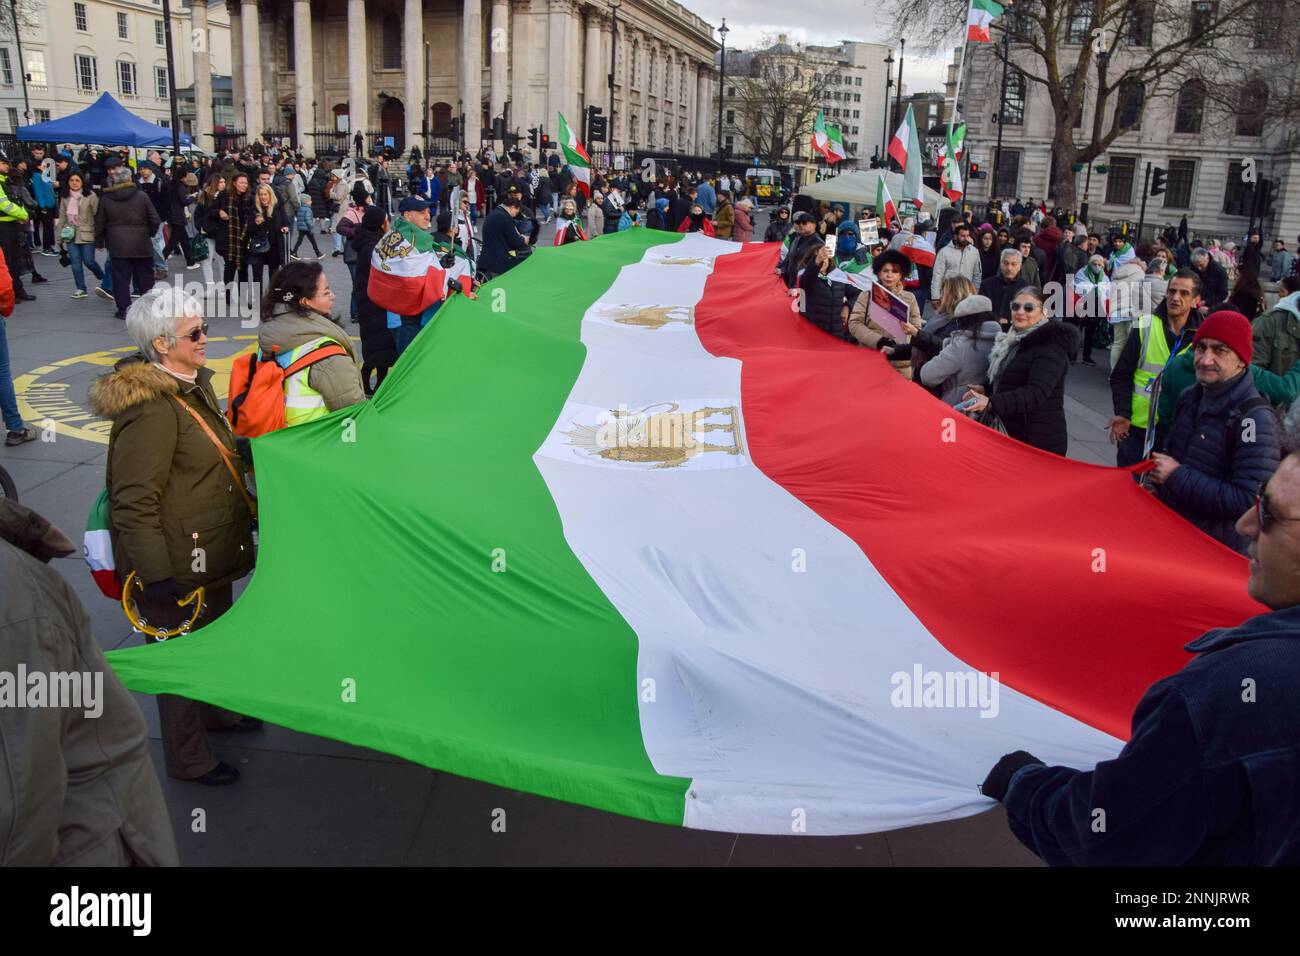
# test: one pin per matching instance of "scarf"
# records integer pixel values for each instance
(187, 379)
(1005, 346)
(697, 222)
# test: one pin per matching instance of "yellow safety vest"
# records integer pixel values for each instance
(1153, 356)
(302, 403)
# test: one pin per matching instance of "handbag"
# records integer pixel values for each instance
(991, 419)
(199, 248)
(259, 245)
(68, 233)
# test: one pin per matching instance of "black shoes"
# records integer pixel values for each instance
(218, 776)
(25, 297)
(1087, 360)
(38, 278)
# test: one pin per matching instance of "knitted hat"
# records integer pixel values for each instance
(972, 305)
(1231, 328)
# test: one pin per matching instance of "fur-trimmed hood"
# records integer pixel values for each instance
(133, 381)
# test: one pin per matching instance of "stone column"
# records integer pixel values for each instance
(667, 102)
(524, 28)
(304, 85)
(202, 78)
(593, 68)
(499, 51)
(643, 110)
(358, 73)
(236, 60)
(703, 111)
(413, 63)
(250, 33)
(561, 86)
(471, 71)
(269, 59)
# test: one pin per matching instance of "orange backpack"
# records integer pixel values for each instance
(256, 395)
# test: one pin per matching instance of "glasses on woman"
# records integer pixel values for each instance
(1024, 306)
(198, 333)
(1265, 517)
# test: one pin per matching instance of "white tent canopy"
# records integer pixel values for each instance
(859, 188)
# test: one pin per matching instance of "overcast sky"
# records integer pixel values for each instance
(819, 22)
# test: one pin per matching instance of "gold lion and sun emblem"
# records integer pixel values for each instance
(646, 316)
(660, 435)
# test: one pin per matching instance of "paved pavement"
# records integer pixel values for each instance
(309, 800)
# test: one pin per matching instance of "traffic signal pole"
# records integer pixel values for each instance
(1142, 216)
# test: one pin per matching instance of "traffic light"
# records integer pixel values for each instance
(532, 136)
(547, 142)
(977, 171)
(598, 129)
(499, 128)
(1158, 177)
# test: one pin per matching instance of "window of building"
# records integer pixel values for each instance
(1138, 23)
(391, 55)
(161, 88)
(1131, 98)
(1006, 182)
(79, 17)
(1079, 19)
(165, 123)
(1237, 195)
(159, 33)
(1013, 109)
(1119, 184)
(856, 114)
(13, 118)
(1178, 187)
(780, 71)
(87, 73)
(857, 81)
(42, 116)
(36, 69)
(1204, 15)
(122, 33)
(731, 116)
(729, 144)
(731, 91)
(1190, 108)
(1268, 16)
(6, 67)
(126, 77)
(1251, 107)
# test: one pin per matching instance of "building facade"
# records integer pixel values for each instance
(1204, 155)
(408, 67)
(74, 50)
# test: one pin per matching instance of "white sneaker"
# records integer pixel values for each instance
(79, 294)
(192, 265)
(135, 295)
(103, 293)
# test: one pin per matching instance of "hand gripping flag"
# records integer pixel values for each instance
(905, 149)
(826, 140)
(576, 156)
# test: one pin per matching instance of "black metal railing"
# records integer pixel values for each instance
(230, 139)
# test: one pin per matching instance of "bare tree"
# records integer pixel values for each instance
(776, 101)
(29, 16)
(1129, 52)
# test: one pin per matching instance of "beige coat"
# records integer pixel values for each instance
(74, 790)
(85, 224)
(870, 334)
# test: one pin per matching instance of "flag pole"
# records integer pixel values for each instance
(956, 97)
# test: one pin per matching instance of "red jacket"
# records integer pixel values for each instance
(708, 225)
(6, 288)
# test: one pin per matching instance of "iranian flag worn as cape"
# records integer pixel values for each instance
(642, 541)
(827, 141)
(406, 275)
(576, 156)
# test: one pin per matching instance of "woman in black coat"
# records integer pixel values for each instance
(235, 215)
(378, 350)
(179, 186)
(1027, 369)
(821, 299)
(267, 236)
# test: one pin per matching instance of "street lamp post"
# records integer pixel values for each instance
(613, 68)
(722, 83)
(1002, 115)
(898, 94)
(889, 82)
(171, 82)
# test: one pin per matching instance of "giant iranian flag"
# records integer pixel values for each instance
(626, 532)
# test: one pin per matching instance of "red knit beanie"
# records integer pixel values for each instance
(1232, 329)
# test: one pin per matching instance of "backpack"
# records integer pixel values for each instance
(256, 393)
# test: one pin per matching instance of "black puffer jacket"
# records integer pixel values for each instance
(1029, 393)
(377, 345)
(126, 221)
(822, 300)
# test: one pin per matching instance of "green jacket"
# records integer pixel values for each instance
(1277, 336)
(169, 491)
(1280, 390)
(10, 211)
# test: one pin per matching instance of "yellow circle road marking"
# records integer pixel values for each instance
(42, 403)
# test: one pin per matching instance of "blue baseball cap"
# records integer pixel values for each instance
(414, 204)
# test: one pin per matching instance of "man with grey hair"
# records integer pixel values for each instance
(125, 223)
(1214, 281)
(1000, 289)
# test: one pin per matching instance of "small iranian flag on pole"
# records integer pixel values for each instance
(576, 156)
(982, 13)
(950, 155)
(885, 207)
(827, 141)
(905, 149)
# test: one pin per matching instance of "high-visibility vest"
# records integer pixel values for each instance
(1153, 356)
(10, 211)
(302, 403)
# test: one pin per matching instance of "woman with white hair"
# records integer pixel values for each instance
(180, 516)
(742, 229)
(567, 229)
(1092, 303)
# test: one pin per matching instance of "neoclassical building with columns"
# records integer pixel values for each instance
(353, 65)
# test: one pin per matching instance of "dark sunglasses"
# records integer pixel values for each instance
(199, 332)
(1265, 517)
(1024, 306)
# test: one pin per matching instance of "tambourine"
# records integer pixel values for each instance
(138, 622)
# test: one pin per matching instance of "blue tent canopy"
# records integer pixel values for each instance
(106, 122)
